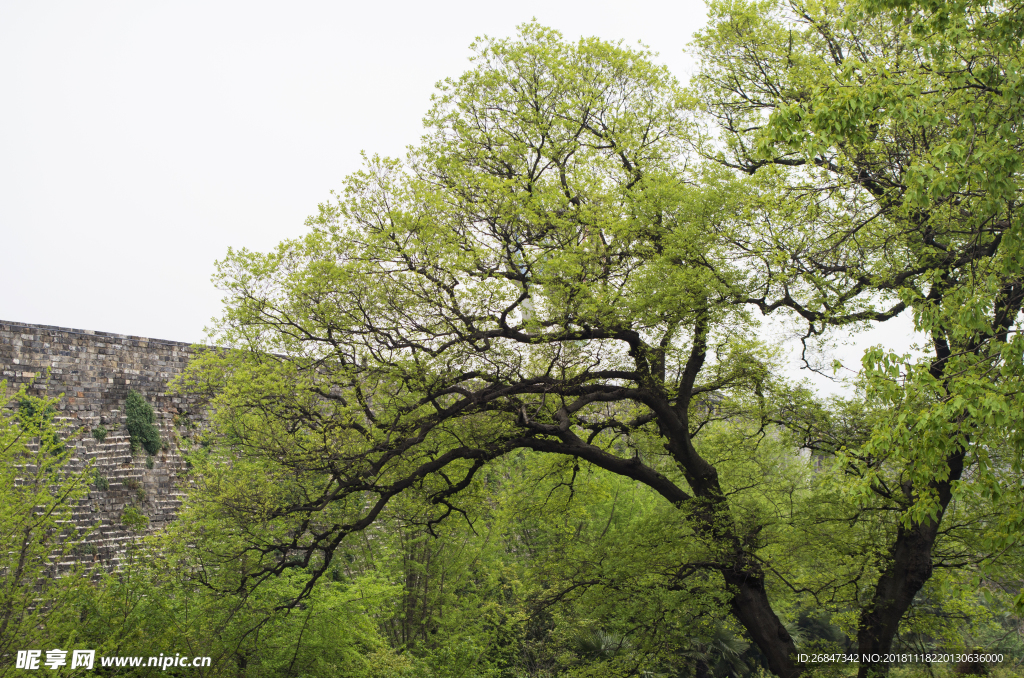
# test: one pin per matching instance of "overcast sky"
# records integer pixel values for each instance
(140, 140)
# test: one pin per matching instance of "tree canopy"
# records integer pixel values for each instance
(571, 265)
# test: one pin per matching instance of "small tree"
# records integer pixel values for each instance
(38, 494)
(140, 423)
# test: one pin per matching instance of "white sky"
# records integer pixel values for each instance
(139, 140)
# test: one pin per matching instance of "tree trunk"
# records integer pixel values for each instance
(909, 567)
(751, 607)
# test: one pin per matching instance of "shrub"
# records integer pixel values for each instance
(149, 461)
(139, 423)
(99, 433)
(85, 549)
(100, 480)
(133, 519)
(184, 420)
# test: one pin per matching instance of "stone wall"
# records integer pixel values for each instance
(95, 371)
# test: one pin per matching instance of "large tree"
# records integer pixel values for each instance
(554, 269)
(543, 273)
(889, 145)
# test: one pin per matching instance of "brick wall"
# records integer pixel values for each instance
(94, 371)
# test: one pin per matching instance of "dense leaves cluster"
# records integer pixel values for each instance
(139, 422)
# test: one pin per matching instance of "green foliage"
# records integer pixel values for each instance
(885, 179)
(139, 423)
(39, 491)
(153, 605)
(133, 519)
(100, 433)
(559, 284)
(39, 414)
(100, 480)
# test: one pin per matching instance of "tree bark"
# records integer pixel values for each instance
(909, 567)
(752, 609)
